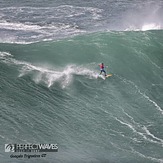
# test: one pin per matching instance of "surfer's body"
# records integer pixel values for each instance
(102, 69)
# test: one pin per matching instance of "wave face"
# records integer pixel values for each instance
(51, 92)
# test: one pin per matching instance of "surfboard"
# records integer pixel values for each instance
(108, 75)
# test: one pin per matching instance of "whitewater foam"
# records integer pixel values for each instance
(150, 26)
(144, 27)
(49, 76)
(42, 23)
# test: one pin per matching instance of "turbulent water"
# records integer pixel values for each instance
(50, 91)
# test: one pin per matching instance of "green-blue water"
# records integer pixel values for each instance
(50, 93)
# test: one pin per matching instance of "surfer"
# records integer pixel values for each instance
(102, 68)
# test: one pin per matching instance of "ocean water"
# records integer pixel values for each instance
(50, 91)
